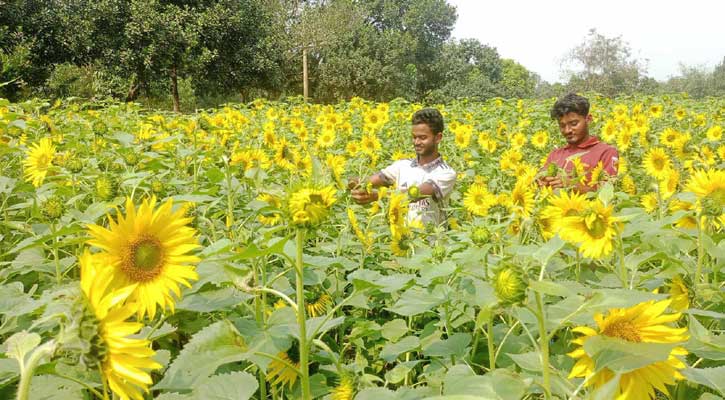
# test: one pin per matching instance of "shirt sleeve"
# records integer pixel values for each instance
(610, 161)
(391, 173)
(442, 181)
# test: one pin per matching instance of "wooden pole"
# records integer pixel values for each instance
(305, 89)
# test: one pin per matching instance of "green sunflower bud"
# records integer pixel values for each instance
(414, 192)
(99, 128)
(509, 285)
(551, 170)
(439, 253)
(53, 208)
(480, 236)
(711, 207)
(131, 158)
(106, 187)
(74, 165)
(157, 186)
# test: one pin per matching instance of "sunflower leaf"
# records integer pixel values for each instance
(622, 356)
(713, 378)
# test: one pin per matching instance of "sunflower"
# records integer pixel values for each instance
(365, 238)
(669, 183)
(318, 304)
(669, 137)
(478, 200)
(563, 205)
(284, 154)
(628, 185)
(39, 159)
(714, 134)
(326, 138)
(397, 210)
(149, 247)
(650, 202)
(310, 206)
(279, 373)
(657, 163)
(540, 139)
(124, 361)
(643, 323)
(679, 294)
(655, 110)
(593, 230)
(522, 199)
(708, 186)
(345, 389)
(401, 243)
(688, 221)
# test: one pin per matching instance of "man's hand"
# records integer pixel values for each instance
(362, 196)
(353, 183)
(553, 182)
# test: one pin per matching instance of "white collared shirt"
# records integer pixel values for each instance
(406, 173)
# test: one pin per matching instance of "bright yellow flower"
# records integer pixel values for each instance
(345, 390)
(657, 163)
(540, 139)
(649, 202)
(708, 184)
(643, 323)
(714, 134)
(310, 206)
(124, 361)
(593, 230)
(39, 159)
(563, 205)
(679, 294)
(669, 137)
(522, 199)
(478, 199)
(278, 373)
(149, 247)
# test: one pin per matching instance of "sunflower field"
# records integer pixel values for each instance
(218, 255)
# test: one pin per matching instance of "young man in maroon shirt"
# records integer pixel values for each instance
(572, 112)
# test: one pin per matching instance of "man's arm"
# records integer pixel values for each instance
(359, 191)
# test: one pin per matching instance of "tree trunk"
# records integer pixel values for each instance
(132, 93)
(305, 89)
(175, 89)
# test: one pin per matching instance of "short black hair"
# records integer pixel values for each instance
(571, 102)
(431, 117)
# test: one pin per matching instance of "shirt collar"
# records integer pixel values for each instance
(427, 165)
(591, 141)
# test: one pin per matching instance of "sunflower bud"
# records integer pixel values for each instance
(551, 170)
(99, 128)
(711, 207)
(158, 186)
(509, 285)
(414, 192)
(74, 165)
(480, 236)
(106, 187)
(131, 158)
(53, 208)
(439, 253)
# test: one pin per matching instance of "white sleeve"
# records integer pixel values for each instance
(443, 180)
(391, 173)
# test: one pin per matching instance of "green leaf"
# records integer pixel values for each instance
(713, 378)
(398, 373)
(622, 356)
(497, 385)
(50, 387)
(213, 300)
(232, 386)
(20, 344)
(455, 345)
(376, 394)
(529, 361)
(545, 252)
(550, 288)
(394, 330)
(215, 345)
(391, 351)
(418, 300)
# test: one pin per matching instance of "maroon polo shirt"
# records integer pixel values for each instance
(591, 152)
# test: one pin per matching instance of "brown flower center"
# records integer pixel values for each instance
(624, 330)
(142, 259)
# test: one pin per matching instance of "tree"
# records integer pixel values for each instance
(467, 69)
(604, 65)
(517, 81)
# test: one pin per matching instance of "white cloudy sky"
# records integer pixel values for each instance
(538, 34)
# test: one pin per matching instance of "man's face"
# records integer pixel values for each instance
(575, 127)
(424, 140)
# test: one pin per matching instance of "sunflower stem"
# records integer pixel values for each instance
(700, 255)
(622, 267)
(27, 370)
(301, 317)
(544, 345)
(491, 348)
(58, 276)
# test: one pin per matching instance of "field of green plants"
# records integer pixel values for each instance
(218, 255)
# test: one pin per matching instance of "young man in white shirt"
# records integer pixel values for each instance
(433, 176)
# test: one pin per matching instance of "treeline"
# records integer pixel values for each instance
(206, 52)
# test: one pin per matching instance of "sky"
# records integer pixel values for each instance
(539, 34)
